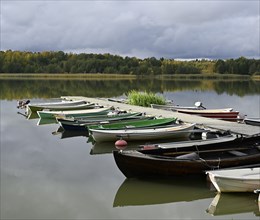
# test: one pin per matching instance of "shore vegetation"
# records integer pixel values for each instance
(49, 63)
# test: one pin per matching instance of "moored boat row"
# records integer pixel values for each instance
(81, 123)
(163, 153)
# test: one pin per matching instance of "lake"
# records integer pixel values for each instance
(50, 175)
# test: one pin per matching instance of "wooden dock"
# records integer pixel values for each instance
(234, 127)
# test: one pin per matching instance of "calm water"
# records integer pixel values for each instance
(47, 176)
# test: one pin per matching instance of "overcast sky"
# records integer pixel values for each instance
(150, 28)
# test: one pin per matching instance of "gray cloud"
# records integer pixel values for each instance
(172, 29)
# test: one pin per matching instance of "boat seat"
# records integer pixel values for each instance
(129, 126)
(190, 156)
(237, 153)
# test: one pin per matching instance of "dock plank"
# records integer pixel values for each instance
(234, 127)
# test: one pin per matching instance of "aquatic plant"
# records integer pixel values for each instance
(144, 98)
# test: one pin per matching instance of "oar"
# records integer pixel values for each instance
(206, 151)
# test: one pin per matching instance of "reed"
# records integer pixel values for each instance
(144, 98)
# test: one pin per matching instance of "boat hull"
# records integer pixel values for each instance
(135, 124)
(139, 167)
(168, 132)
(39, 106)
(222, 115)
(252, 121)
(35, 108)
(240, 180)
(186, 162)
(78, 113)
(103, 119)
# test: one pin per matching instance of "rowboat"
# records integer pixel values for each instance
(153, 133)
(53, 105)
(35, 108)
(82, 123)
(233, 203)
(141, 123)
(198, 109)
(208, 140)
(143, 163)
(235, 180)
(222, 114)
(86, 112)
(252, 121)
(119, 100)
(172, 107)
(215, 141)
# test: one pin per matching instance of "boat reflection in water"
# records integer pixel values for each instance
(69, 133)
(137, 192)
(234, 203)
(46, 121)
(30, 115)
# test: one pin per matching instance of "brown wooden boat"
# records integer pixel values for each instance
(226, 114)
(245, 152)
(223, 114)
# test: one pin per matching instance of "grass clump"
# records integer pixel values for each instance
(144, 98)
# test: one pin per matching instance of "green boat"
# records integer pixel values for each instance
(81, 124)
(76, 113)
(135, 124)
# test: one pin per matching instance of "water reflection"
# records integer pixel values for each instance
(114, 88)
(234, 203)
(136, 192)
(32, 115)
(69, 133)
(102, 148)
(46, 178)
(46, 121)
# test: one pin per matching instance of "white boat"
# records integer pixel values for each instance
(235, 180)
(223, 139)
(172, 107)
(252, 121)
(33, 107)
(164, 132)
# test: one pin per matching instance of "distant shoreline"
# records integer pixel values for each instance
(102, 76)
(65, 76)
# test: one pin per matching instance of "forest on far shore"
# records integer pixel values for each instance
(60, 62)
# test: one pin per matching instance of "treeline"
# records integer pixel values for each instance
(60, 62)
